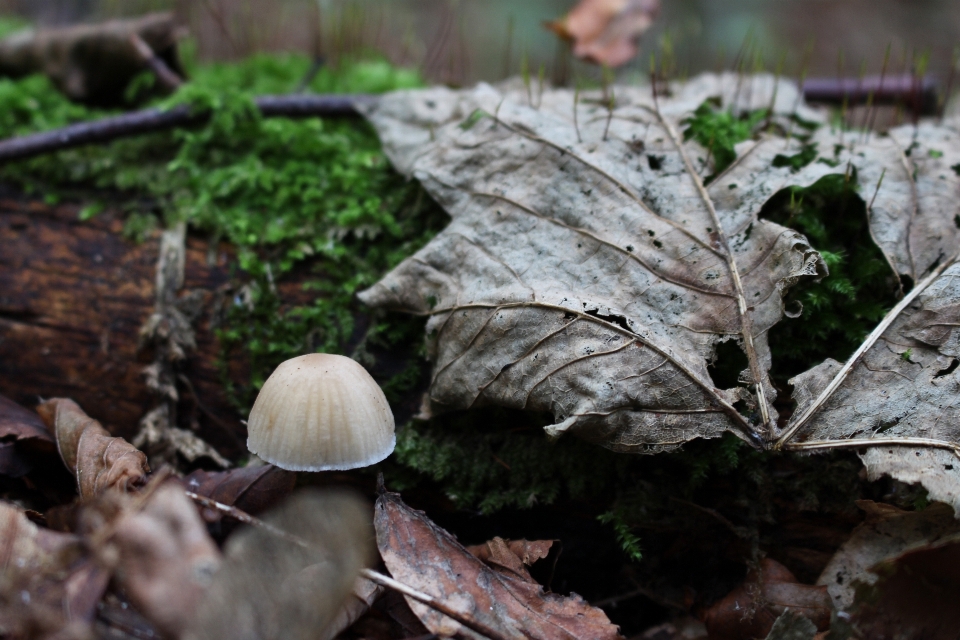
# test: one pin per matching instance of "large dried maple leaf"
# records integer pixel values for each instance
(589, 272)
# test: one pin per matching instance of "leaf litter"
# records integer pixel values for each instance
(421, 554)
(593, 267)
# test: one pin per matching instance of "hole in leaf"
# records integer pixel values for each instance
(620, 321)
(887, 425)
(655, 162)
(950, 369)
(727, 364)
(841, 309)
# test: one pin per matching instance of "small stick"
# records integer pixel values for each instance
(164, 74)
(151, 120)
(369, 574)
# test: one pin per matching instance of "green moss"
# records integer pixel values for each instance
(843, 308)
(289, 195)
(720, 130)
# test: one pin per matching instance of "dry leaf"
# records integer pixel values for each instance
(898, 393)
(250, 489)
(915, 595)
(512, 555)
(589, 273)
(98, 460)
(276, 587)
(606, 31)
(160, 552)
(422, 555)
(20, 428)
(48, 588)
(750, 610)
(886, 533)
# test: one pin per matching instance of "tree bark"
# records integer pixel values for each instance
(73, 298)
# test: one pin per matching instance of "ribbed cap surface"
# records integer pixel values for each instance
(321, 412)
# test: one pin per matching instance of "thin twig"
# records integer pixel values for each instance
(463, 618)
(163, 73)
(152, 120)
(746, 326)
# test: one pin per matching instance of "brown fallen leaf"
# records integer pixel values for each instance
(159, 550)
(250, 489)
(915, 595)
(606, 31)
(21, 431)
(886, 533)
(48, 586)
(750, 610)
(98, 460)
(422, 555)
(288, 586)
(512, 555)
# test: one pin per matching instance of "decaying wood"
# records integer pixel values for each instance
(73, 298)
(94, 62)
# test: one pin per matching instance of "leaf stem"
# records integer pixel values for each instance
(746, 326)
(855, 358)
(874, 442)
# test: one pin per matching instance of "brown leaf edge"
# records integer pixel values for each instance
(98, 460)
(251, 489)
(426, 557)
(768, 591)
(21, 431)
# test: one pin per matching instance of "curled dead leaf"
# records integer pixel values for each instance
(21, 430)
(49, 587)
(750, 610)
(294, 586)
(159, 550)
(422, 555)
(887, 533)
(606, 31)
(914, 595)
(98, 460)
(512, 555)
(250, 489)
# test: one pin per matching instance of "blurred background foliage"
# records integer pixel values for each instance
(463, 41)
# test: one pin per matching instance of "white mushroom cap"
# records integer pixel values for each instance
(321, 412)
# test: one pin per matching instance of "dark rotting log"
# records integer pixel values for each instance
(73, 298)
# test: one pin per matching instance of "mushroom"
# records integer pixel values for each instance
(321, 412)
